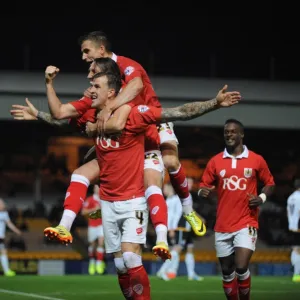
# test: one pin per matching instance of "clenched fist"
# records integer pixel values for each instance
(51, 72)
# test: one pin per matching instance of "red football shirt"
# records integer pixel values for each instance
(83, 105)
(132, 69)
(80, 122)
(234, 178)
(121, 160)
(93, 202)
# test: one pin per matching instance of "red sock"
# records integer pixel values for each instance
(76, 193)
(158, 209)
(100, 253)
(139, 282)
(179, 183)
(231, 289)
(244, 288)
(124, 282)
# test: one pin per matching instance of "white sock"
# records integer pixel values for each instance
(67, 219)
(164, 267)
(92, 261)
(190, 264)
(187, 205)
(161, 233)
(4, 263)
(174, 262)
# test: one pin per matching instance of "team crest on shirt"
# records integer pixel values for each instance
(222, 173)
(128, 70)
(247, 172)
(143, 108)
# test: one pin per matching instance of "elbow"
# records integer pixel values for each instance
(58, 115)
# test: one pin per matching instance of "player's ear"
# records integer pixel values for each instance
(242, 135)
(111, 93)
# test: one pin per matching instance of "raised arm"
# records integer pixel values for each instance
(57, 109)
(29, 112)
(193, 110)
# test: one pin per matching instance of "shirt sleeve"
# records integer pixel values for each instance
(82, 105)
(208, 178)
(141, 116)
(132, 70)
(264, 173)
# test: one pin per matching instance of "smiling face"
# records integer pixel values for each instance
(91, 50)
(100, 92)
(233, 135)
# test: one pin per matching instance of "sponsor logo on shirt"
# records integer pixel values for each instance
(128, 70)
(234, 183)
(143, 108)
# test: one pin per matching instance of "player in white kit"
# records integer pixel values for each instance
(293, 212)
(5, 220)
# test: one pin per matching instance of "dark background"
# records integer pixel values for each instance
(251, 40)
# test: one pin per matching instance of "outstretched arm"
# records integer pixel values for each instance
(188, 111)
(46, 117)
(193, 110)
(29, 112)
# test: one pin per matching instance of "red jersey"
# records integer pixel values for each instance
(121, 160)
(89, 203)
(80, 122)
(83, 105)
(234, 178)
(132, 69)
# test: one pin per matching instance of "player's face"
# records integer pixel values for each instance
(93, 69)
(90, 51)
(232, 135)
(100, 92)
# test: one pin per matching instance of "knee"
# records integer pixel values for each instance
(227, 270)
(171, 162)
(132, 260)
(241, 269)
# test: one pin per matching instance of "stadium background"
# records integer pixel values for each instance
(187, 59)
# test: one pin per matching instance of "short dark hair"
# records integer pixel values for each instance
(237, 122)
(98, 37)
(113, 80)
(107, 65)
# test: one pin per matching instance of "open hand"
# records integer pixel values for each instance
(226, 99)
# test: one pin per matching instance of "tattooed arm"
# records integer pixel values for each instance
(193, 110)
(46, 117)
(188, 111)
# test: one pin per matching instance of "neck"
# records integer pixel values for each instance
(235, 151)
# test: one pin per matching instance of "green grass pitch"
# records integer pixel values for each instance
(83, 287)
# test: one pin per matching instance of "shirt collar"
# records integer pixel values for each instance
(114, 57)
(244, 154)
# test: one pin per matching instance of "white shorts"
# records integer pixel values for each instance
(94, 232)
(226, 242)
(153, 160)
(124, 221)
(166, 133)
